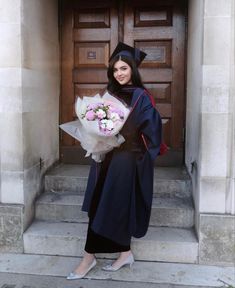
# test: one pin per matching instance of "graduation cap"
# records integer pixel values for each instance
(123, 49)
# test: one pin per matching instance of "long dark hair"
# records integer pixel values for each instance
(113, 86)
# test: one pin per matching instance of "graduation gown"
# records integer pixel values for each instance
(125, 200)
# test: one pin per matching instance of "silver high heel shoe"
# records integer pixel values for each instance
(128, 261)
(74, 276)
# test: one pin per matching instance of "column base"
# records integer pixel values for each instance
(11, 228)
(217, 239)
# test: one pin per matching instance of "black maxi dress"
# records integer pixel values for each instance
(95, 242)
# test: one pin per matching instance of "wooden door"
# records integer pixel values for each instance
(90, 30)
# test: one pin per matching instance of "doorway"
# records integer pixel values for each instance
(90, 30)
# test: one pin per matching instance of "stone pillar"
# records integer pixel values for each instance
(214, 169)
(194, 97)
(11, 189)
(40, 93)
(217, 235)
(216, 112)
(29, 105)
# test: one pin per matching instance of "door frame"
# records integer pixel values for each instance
(172, 158)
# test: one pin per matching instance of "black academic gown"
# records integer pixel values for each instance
(125, 202)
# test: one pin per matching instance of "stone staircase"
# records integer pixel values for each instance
(60, 225)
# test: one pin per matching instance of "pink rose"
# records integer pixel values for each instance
(90, 115)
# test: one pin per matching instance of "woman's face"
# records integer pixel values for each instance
(122, 72)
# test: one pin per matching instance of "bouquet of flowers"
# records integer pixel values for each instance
(100, 119)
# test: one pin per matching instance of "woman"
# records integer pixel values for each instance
(118, 197)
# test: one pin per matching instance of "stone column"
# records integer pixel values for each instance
(210, 133)
(216, 112)
(194, 96)
(214, 175)
(29, 105)
(11, 223)
(40, 94)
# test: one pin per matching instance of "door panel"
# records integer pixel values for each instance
(89, 33)
(160, 32)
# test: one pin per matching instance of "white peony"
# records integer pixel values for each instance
(103, 123)
(107, 124)
(100, 113)
(114, 116)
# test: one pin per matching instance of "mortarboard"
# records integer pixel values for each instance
(123, 49)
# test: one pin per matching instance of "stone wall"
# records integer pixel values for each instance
(29, 104)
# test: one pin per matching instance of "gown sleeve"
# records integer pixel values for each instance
(150, 126)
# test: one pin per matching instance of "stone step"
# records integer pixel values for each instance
(68, 239)
(65, 207)
(24, 270)
(168, 181)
